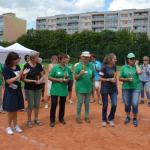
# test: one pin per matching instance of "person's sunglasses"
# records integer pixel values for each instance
(132, 58)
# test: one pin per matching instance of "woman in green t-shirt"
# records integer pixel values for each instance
(60, 76)
(129, 75)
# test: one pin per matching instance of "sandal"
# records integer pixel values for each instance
(38, 123)
(29, 124)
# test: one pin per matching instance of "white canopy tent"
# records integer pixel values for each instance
(18, 48)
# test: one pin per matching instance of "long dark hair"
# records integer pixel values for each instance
(10, 58)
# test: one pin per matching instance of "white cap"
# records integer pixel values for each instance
(86, 54)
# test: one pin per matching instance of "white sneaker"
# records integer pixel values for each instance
(46, 106)
(104, 124)
(112, 124)
(70, 101)
(9, 131)
(18, 129)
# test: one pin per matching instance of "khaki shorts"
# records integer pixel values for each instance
(97, 84)
(33, 98)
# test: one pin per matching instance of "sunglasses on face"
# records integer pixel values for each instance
(132, 58)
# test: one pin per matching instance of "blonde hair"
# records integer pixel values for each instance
(33, 55)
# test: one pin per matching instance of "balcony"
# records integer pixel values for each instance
(139, 16)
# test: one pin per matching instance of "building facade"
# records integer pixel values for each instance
(11, 27)
(136, 20)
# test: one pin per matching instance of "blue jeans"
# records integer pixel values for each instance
(113, 97)
(86, 99)
(131, 100)
(146, 89)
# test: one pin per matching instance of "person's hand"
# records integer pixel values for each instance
(137, 63)
(82, 72)
(130, 79)
(61, 80)
(26, 71)
(37, 82)
(113, 80)
(66, 80)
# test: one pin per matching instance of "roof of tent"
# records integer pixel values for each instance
(19, 48)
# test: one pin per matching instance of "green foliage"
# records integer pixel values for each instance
(55, 42)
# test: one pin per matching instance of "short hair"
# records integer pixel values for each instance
(62, 56)
(93, 55)
(33, 55)
(10, 58)
(54, 57)
(108, 58)
(146, 57)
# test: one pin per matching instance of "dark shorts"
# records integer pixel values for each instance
(70, 85)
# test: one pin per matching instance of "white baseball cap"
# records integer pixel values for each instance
(86, 54)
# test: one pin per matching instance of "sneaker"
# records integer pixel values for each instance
(112, 124)
(18, 129)
(127, 120)
(79, 121)
(9, 131)
(46, 106)
(52, 124)
(135, 122)
(87, 120)
(70, 101)
(62, 122)
(104, 124)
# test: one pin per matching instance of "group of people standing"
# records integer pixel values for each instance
(89, 76)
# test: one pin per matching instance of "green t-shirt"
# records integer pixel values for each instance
(57, 88)
(85, 83)
(70, 66)
(127, 72)
(1, 76)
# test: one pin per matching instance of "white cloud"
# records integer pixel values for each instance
(129, 4)
(31, 9)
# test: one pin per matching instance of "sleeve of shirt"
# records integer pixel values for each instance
(7, 73)
(52, 72)
(40, 68)
(102, 72)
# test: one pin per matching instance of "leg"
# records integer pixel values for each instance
(62, 103)
(135, 101)
(79, 104)
(10, 118)
(86, 104)
(113, 98)
(70, 85)
(98, 94)
(37, 98)
(105, 106)
(15, 119)
(142, 92)
(1, 102)
(147, 88)
(54, 102)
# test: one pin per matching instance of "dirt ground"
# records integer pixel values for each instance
(73, 136)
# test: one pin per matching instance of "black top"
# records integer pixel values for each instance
(108, 72)
(9, 73)
(34, 74)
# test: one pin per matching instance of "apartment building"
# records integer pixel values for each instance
(11, 27)
(136, 20)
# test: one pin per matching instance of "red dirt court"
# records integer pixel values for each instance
(73, 136)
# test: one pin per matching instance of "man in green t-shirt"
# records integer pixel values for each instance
(84, 75)
(1, 82)
(129, 75)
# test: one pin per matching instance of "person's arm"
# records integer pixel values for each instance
(138, 69)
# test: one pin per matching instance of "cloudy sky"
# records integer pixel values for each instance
(31, 9)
